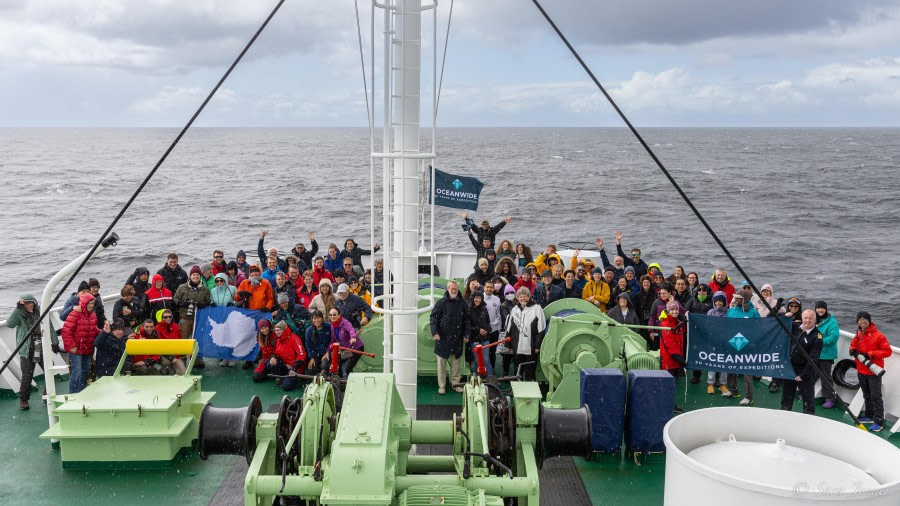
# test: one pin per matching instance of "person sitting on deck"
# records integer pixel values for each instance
(166, 328)
(289, 356)
(266, 340)
(318, 337)
(143, 365)
(345, 336)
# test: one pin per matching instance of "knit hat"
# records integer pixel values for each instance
(485, 222)
(720, 295)
(478, 293)
(353, 279)
(283, 297)
(280, 325)
(206, 266)
(629, 268)
(232, 265)
(240, 254)
(597, 270)
(196, 269)
(325, 281)
(263, 324)
(794, 300)
(119, 324)
(863, 314)
(83, 286)
(509, 289)
(821, 304)
(254, 268)
(610, 268)
(672, 306)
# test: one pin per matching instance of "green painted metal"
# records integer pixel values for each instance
(586, 340)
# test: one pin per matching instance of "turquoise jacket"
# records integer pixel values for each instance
(831, 333)
(738, 312)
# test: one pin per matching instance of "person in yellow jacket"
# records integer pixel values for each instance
(596, 291)
(547, 259)
(358, 289)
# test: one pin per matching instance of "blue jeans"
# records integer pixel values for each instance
(81, 369)
(485, 354)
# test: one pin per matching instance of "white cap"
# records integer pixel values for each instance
(343, 288)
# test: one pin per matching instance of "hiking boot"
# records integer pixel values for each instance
(746, 402)
(710, 389)
(223, 363)
(828, 404)
(199, 365)
(458, 389)
(232, 363)
(694, 380)
(725, 391)
(442, 391)
(247, 365)
(773, 388)
(865, 419)
(279, 381)
(875, 427)
(23, 405)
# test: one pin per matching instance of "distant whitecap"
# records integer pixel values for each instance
(57, 188)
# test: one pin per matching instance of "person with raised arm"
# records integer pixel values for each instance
(634, 260)
(485, 231)
(273, 252)
(306, 255)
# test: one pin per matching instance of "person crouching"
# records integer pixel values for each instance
(289, 356)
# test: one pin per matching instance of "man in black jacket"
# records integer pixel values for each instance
(810, 339)
(352, 307)
(449, 327)
(307, 255)
(634, 260)
(546, 293)
(172, 273)
(485, 231)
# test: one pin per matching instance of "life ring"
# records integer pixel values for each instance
(840, 371)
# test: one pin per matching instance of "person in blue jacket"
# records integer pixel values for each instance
(741, 308)
(831, 333)
(110, 345)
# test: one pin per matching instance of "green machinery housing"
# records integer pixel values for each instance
(361, 449)
(578, 336)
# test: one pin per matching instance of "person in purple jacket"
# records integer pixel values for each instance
(343, 334)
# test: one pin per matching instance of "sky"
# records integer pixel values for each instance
(119, 63)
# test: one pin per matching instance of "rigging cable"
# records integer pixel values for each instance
(362, 63)
(140, 188)
(437, 102)
(690, 204)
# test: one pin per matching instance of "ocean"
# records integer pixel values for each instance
(811, 211)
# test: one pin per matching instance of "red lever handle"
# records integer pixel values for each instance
(351, 350)
(335, 358)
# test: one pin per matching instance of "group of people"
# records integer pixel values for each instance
(299, 290)
(634, 292)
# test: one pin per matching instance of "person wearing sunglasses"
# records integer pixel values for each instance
(219, 264)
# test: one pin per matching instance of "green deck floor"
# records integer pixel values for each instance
(33, 473)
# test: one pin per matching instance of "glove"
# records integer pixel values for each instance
(55, 348)
(229, 304)
(853, 352)
(244, 294)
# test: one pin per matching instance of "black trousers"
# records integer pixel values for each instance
(807, 389)
(871, 389)
(529, 370)
(493, 337)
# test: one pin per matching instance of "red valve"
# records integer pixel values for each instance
(335, 358)
(482, 370)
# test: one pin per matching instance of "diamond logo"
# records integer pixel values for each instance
(738, 341)
(457, 184)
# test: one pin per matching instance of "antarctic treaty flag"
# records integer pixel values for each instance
(459, 192)
(228, 332)
(756, 346)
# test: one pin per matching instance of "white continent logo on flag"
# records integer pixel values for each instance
(237, 332)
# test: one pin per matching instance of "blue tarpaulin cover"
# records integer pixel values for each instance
(603, 391)
(651, 403)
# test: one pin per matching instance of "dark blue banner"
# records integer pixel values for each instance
(756, 346)
(459, 192)
(228, 332)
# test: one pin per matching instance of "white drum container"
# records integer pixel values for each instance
(747, 456)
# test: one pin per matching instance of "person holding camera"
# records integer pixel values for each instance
(869, 347)
(190, 298)
(23, 317)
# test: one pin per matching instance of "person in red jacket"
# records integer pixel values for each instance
(266, 341)
(308, 290)
(671, 349)
(870, 344)
(78, 335)
(166, 328)
(290, 355)
(722, 283)
(144, 365)
(319, 272)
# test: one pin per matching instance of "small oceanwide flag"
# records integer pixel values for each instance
(459, 192)
(228, 332)
(756, 346)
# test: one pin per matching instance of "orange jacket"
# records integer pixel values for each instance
(261, 297)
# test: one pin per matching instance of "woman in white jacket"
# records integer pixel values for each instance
(526, 326)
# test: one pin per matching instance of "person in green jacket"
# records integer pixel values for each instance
(22, 318)
(208, 276)
(831, 333)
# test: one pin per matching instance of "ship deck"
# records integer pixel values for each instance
(34, 475)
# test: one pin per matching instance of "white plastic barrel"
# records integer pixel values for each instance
(748, 456)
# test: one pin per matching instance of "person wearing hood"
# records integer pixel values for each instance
(547, 259)
(172, 273)
(140, 280)
(449, 327)
(699, 303)
(158, 296)
(506, 268)
(596, 291)
(218, 264)
(306, 255)
(344, 335)
(870, 344)
(255, 293)
(273, 252)
(325, 299)
(78, 334)
(190, 298)
(809, 339)
(741, 308)
(831, 334)
(526, 328)
(128, 309)
(768, 294)
(240, 260)
(353, 251)
(223, 293)
(110, 346)
(546, 292)
(624, 312)
(671, 341)
(643, 303)
(22, 318)
(718, 379)
(479, 332)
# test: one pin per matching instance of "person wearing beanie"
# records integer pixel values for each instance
(110, 345)
(483, 272)
(741, 308)
(207, 275)
(254, 292)
(190, 298)
(870, 344)
(831, 334)
(715, 379)
(72, 303)
(671, 342)
(240, 260)
(634, 285)
(293, 315)
(491, 256)
(623, 312)
(546, 292)
(700, 302)
(479, 332)
(325, 299)
(596, 291)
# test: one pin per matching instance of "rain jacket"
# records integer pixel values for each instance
(450, 320)
(109, 351)
(672, 341)
(222, 295)
(317, 340)
(266, 349)
(542, 262)
(261, 297)
(872, 343)
(719, 312)
(290, 350)
(599, 291)
(158, 299)
(305, 296)
(727, 288)
(80, 329)
(22, 321)
(831, 333)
